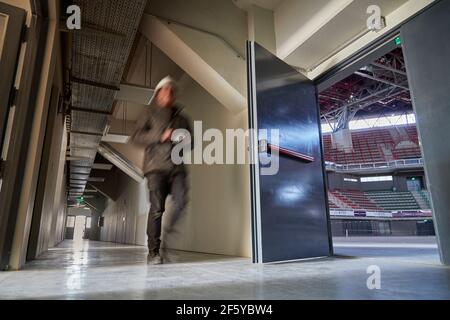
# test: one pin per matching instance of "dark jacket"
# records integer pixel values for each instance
(148, 132)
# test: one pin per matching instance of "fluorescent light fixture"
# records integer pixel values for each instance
(135, 93)
(376, 179)
(102, 166)
(95, 179)
(77, 158)
(116, 138)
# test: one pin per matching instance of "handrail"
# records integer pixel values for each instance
(290, 153)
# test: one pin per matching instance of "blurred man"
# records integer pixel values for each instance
(154, 132)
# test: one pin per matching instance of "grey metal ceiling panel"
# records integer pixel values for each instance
(99, 55)
(91, 97)
(84, 121)
(84, 140)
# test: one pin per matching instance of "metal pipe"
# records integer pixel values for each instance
(213, 34)
(337, 50)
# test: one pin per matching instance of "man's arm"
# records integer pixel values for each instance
(183, 123)
(191, 132)
(144, 134)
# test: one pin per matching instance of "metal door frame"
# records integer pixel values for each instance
(35, 37)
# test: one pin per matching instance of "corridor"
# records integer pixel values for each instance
(97, 270)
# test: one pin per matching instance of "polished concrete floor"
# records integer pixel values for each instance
(409, 268)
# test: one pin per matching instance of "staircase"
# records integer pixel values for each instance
(387, 153)
(421, 199)
(389, 200)
(403, 134)
(396, 137)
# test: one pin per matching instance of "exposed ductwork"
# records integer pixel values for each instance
(99, 54)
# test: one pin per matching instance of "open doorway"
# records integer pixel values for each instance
(78, 228)
(376, 180)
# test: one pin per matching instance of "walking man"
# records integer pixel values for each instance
(154, 132)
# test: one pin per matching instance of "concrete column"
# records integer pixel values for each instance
(427, 55)
(261, 27)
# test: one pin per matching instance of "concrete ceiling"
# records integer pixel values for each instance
(267, 4)
(308, 32)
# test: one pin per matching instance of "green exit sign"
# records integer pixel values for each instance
(398, 41)
(80, 200)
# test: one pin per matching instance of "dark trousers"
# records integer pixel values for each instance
(160, 185)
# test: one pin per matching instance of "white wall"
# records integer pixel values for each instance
(219, 213)
(204, 57)
(261, 27)
(217, 219)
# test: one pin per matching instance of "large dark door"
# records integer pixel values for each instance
(12, 21)
(290, 216)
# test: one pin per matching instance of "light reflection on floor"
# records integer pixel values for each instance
(96, 270)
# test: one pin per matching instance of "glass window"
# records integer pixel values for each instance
(368, 123)
(376, 179)
(88, 222)
(70, 222)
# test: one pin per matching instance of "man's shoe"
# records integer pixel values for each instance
(154, 259)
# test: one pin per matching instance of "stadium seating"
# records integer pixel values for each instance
(368, 146)
(389, 200)
(377, 200)
(355, 200)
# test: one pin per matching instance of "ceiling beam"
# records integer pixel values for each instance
(107, 113)
(94, 84)
(382, 66)
(365, 75)
(102, 166)
(297, 21)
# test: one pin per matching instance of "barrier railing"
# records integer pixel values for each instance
(394, 164)
(336, 213)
